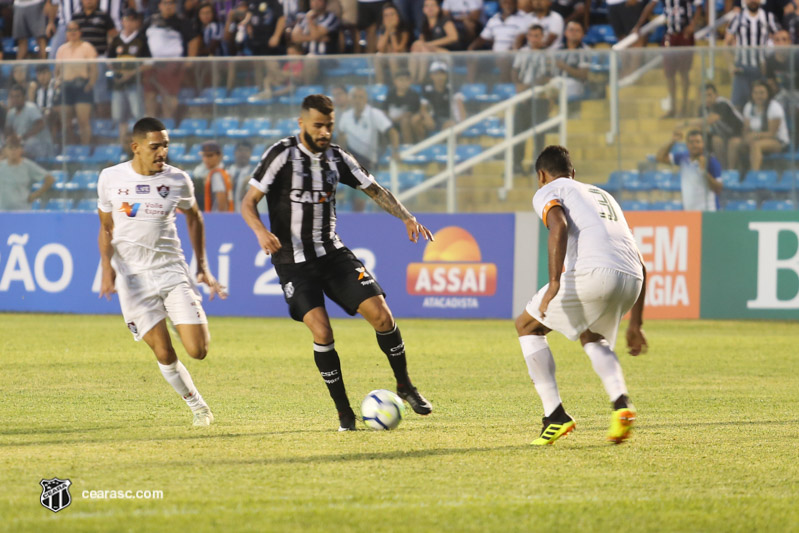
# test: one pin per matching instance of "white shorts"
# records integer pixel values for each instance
(149, 297)
(593, 300)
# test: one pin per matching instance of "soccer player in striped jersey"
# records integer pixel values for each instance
(299, 175)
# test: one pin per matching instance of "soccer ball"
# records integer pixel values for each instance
(382, 409)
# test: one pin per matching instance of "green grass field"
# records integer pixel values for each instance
(715, 448)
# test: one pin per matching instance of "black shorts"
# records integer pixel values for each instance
(74, 92)
(339, 275)
(370, 14)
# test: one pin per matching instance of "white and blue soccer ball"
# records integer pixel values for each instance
(382, 409)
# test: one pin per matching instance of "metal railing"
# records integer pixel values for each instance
(449, 135)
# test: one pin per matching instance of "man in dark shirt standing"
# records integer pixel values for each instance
(298, 176)
(403, 106)
(722, 121)
(169, 36)
(98, 29)
(125, 99)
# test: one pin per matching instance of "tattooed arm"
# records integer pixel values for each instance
(389, 203)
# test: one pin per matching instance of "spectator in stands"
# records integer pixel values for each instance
(370, 13)
(765, 128)
(44, 94)
(682, 19)
(360, 127)
(752, 27)
(551, 21)
(17, 177)
(77, 80)
(440, 109)
(782, 68)
(571, 68)
(60, 14)
(210, 30)
(217, 185)
(467, 16)
(317, 30)
(530, 69)
(236, 24)
(623, 16)
(98, 29)
(572, 10)
(500, 32)
(126, 96)
(169, 36)
(283, 76)
(30, 21)
(721, 121)
(266, 28)
(784, 11)
(403, 106)
(19, 76)
(25, 120)
(439, 34)
(341, 99)
(240, 172)
(700, 174)
(393, 37)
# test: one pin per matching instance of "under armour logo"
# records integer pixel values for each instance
(123, 191)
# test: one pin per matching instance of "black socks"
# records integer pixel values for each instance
(329, 366)
(391, 344)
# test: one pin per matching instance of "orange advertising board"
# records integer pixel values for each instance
(671, 245)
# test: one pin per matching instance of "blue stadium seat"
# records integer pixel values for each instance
(177, 149)
(663, 180)
(104, 127)
(470, 91)
(58, 175)
(85, 179)
(467, 151)
(207, 96)
(410, 178)
(74, 153)
(107, 153)
(36, 205)
(377, 92)
(9, 48)
(490, 9)
(300, 93)
(426, 155)
(228, 151)
(789, 181)
(86, 204)
(504, 90)
(222, 125)
(666, 206)
(635, 205)
(633, 181)
(600, 33)
(58, 204)
(740, 205)
(287, 126)
(193, 127)
(777, 205)
(190, 157)
(761, 179)
(731, 179)
(238, 96)
(257, 151)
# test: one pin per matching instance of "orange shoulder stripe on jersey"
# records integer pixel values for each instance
(550, 205)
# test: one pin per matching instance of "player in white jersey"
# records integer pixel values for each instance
(143, 261)
(596, 275)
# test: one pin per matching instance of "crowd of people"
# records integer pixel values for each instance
(421, 98)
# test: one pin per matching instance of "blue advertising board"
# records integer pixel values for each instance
(49, 262)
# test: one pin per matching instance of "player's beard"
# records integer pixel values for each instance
(310, 142)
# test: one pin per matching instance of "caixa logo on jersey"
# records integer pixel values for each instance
(55, 494)
(310, 197)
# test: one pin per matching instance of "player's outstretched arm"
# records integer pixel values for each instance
(389, 203)
(267, 240)
(196, 227)
(636, 340)
(108, 279)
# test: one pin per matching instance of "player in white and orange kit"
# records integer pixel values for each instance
(596, 275)
(142, 259)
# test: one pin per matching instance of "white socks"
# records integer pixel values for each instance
(541, 366)
(607, 367)
(177, 376)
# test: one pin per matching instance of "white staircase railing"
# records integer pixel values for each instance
(449, 135)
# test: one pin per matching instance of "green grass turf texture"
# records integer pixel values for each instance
(715, 447)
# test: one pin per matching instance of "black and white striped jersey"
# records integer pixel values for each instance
(752, 30)
(300, 189)
(679, 14)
